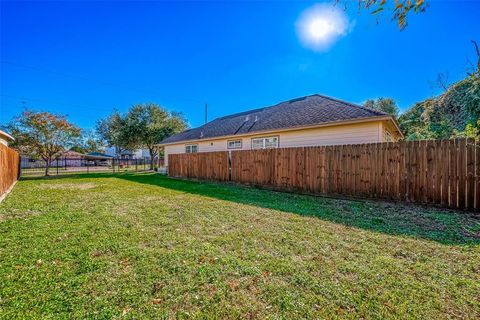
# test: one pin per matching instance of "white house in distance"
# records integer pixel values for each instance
(128, 154)
(5, 138)
(314, 120)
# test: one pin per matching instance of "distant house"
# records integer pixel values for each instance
(97, 156)
(314, 120)
(5, 138)
(128, 154)
(72, 155)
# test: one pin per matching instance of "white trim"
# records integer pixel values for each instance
(235, 140)
(191, 145)
(6, 135)
(264, 138)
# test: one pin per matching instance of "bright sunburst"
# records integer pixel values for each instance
(321, 25)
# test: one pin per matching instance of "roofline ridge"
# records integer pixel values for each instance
(350, 103)
(263, 108)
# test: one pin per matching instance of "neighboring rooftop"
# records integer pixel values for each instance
(97, 155)
(304, 111)
(72, 154)
(6, 136)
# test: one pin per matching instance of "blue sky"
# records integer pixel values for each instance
(84, 59)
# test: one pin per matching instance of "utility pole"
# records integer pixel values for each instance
(206, 112)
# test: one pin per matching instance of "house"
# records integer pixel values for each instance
(70, 154)
(98, 159)
(98, 156)
(314, 120)
(128, 154)
(5, 138)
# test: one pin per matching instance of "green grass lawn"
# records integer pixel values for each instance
(146, 246)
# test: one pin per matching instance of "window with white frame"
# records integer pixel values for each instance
(265, 143)
(191, 148)
(234, 144)
(388, 137)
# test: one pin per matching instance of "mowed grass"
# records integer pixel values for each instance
(145, 246)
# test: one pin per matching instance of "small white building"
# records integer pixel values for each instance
(128, 154)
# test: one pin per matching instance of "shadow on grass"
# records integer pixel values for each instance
(440, 225)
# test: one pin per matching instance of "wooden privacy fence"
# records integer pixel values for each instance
(206, 166)
(441, 172)
(9, 168)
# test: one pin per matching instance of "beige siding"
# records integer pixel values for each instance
(388, 127)
(342, 134)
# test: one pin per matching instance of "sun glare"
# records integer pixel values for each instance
(320, 28)
(321, 25)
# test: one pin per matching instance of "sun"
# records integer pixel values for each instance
(320, 26)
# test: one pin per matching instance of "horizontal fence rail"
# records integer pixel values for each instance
(9, 168)
(440, 172)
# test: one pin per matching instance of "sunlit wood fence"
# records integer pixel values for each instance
(204, 166)
(9, 168)
(440, 172)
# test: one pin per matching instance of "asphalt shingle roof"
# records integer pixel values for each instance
(309, 110)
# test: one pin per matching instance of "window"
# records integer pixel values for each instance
(234, 144)
(265, 143)
(191, 148)
(388, 137)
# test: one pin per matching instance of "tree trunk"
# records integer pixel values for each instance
(47, 167)
(152, 156)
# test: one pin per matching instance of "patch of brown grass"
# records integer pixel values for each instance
(67, 186)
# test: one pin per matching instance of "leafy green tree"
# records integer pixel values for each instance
(89, 142)
(387, 105)
(454, 113)
(43, 134)
(473, 131)
(111, 131)
(148, 124)
(448, 115)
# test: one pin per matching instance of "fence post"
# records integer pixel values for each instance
(136, 164)
(229, 164)
(57, 166)
(113, 164)
(144, 164)
(19, 167)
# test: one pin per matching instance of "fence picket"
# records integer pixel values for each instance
(9, 168)
(470, 174)
(443, 172)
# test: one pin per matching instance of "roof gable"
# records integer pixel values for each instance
(304, 111)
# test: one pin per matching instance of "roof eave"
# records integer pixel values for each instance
(397, 126)
(6, 135)
(318, 125)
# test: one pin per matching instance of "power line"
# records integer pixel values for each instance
(47, 101)
(22, 100)
(83, 78)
